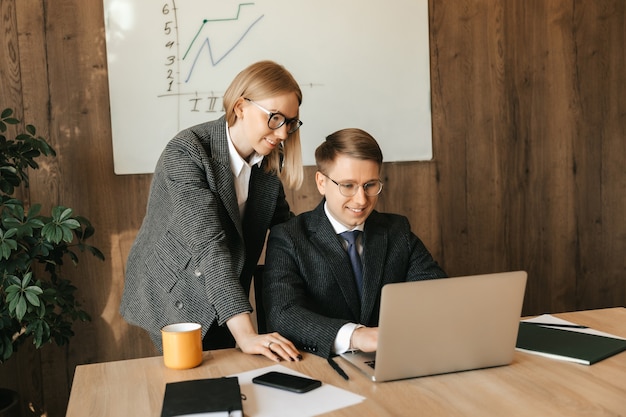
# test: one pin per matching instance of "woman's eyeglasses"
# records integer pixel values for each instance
(277, 120)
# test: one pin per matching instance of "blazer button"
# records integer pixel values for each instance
(179, 305)
(197, 273)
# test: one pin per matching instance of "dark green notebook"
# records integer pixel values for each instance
(567, 345)
(212, 395)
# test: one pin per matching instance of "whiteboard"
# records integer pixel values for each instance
(359, 64)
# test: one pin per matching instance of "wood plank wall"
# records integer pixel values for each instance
(529, 127)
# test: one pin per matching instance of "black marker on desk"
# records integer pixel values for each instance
(337, 368)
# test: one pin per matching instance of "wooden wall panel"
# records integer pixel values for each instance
(9, 52)
(529, 132)
(510, 119)
(537, 61)
(37, 66)
(599, 151)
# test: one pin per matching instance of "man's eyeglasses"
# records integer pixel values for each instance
(277, 120)
(349, 189)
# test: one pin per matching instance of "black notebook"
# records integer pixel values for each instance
(210, 397)
(567, 345)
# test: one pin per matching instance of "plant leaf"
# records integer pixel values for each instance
(20, 309)
(32, 298)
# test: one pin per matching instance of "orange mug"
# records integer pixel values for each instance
(182, 345)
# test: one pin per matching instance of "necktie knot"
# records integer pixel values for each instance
(351, 236)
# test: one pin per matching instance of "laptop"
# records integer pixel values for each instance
(445, 325)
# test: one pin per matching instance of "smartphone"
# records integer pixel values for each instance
(287, 382)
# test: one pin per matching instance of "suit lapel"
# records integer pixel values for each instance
(224, 176)
(261, 203)
(375, 241)
(323, 236)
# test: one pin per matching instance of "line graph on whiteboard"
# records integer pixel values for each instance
(213, 40)
(207, 40)
(358, 64)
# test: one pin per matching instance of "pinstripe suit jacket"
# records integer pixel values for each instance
(309, 289)
(193, 257)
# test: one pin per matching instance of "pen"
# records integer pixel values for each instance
(571, 326)
(337, 368)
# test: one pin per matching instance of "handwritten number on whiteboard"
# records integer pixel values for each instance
(169, 28)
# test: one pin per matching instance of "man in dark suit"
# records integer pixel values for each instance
(316, 293)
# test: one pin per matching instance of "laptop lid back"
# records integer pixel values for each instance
(448, 325)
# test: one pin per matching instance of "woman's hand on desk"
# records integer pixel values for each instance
(272, 345)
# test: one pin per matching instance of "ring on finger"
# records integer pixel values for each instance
(269, 344)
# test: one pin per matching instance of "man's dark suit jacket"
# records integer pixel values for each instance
(193, 258)
(309, 290)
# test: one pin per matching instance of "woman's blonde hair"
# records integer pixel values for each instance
(259, 81)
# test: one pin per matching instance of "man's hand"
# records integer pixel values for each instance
(365, 339)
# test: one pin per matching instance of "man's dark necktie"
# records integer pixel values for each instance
(355, 259)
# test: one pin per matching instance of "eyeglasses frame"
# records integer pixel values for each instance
(340, 185)
(271, 114)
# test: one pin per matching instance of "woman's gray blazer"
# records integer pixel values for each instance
(193, 258)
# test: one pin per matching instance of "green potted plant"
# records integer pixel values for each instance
(36, 302)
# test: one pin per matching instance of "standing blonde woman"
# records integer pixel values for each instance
(215, 192)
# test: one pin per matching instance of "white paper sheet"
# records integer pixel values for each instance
(262, 401)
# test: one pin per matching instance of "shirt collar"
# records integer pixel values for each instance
(339, 228)
(236, 161)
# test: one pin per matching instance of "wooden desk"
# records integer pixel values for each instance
(530, 386)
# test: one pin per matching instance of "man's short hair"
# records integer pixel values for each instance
(352, 142)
